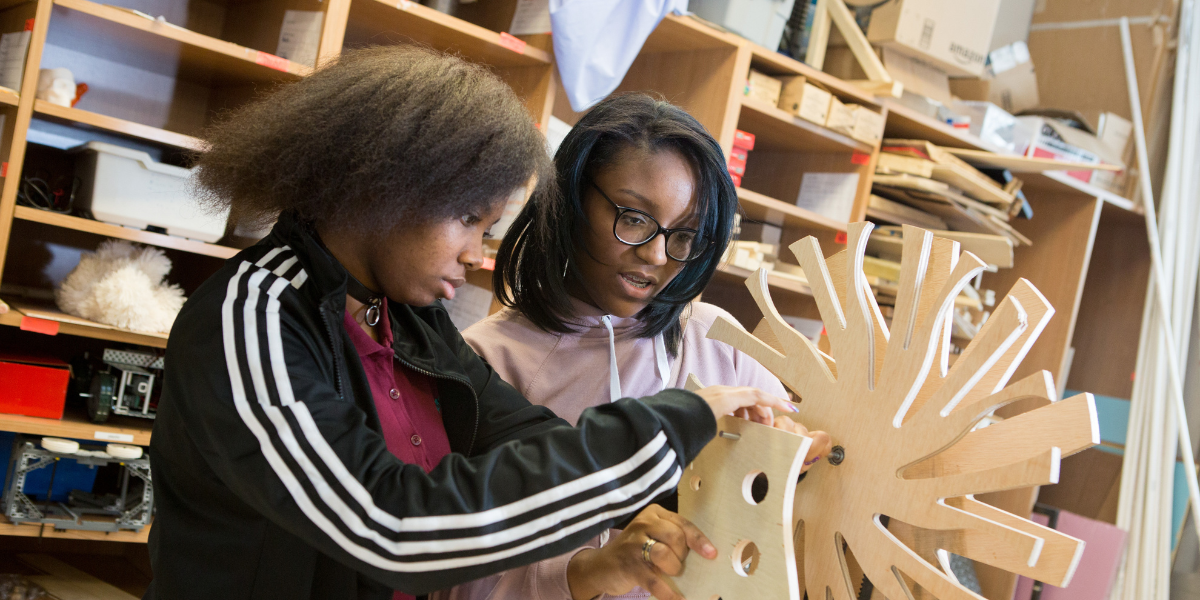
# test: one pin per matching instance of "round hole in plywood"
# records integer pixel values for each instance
(745, 558)
(754, 487)
(695, 483)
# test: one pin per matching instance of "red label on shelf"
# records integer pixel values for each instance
(44, 326)
(513, 43)
(29, 24)
(489, 264)
(840, 238)
(4, 169)
(860, 158)
(270, 60)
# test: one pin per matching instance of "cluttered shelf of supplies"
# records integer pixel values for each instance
(197, 53)
(76, 426)
(377, 21)
(776, 129)
(68, 114)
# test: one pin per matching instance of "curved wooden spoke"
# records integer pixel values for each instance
(1057, 560)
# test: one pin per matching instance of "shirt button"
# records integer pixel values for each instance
(415, 439)
(395, 393)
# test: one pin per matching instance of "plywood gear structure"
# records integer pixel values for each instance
(907, 426)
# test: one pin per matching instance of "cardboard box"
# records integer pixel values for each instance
(805, 100)
(868, 125)
(916, 75)
(1012, 22)
(1054, 140)
(34, 386)
(841, 118)
(952, 34)
(763, 87)
(1009, 82)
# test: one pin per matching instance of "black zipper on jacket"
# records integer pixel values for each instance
(337, 367)
(467, 384)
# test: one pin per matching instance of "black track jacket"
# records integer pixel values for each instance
(272, 479)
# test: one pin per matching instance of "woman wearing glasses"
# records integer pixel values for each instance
(599, 282)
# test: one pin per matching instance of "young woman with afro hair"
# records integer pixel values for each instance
(324, 431)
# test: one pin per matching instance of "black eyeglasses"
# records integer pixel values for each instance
(634, 227)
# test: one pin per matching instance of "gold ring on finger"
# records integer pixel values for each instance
(646, 547)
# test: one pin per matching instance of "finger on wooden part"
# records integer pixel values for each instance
(666, 558)
(696, 540)
(1039, 470)
(1059, 556)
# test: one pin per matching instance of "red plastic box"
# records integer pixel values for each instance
(35, 386)
(743, 139)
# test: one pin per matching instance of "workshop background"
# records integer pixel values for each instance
(935, 113)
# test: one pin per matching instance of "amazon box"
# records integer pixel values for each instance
(952, 34)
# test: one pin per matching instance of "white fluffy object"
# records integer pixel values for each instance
(122, 285)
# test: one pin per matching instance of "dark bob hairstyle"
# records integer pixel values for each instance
(534, 255)
(384, 136)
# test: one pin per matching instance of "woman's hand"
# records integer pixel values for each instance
(618, 567)
(821, 443)
(725, 400)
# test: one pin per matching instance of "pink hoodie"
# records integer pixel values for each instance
(571, 372)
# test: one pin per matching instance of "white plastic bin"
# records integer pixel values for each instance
(760, 21)
(126, 187)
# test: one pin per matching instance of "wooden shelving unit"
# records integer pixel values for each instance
(1084, 238)
(72, 325)
(767, 209)
(75, 426)
(196, 52)
(45, 531)
(777, 130)
(112, 124)
(124, 233)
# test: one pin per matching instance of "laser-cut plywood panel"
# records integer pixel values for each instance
(907, 424)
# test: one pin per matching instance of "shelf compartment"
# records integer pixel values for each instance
(74, 425)
(764, 208)
(115, 125)
(71, 325)
(45, 531)
(775, 129)
(196, 52)
(903, 122)
(125, 233)
(774, 63)
(737, 276)
(383, 21)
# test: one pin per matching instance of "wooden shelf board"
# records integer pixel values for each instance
(198, 55)
(8, 96)
(383, 21)
(903, 122)
(26, 213)
(774, 63)
(777, 130)
(115, 125)
(686, 34)
(74, 425)
(31, 530)
(738, 275)
(69, 325)
(764, 208)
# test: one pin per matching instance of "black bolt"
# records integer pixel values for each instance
(837, 455)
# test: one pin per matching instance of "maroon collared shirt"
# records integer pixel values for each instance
(407, 401)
